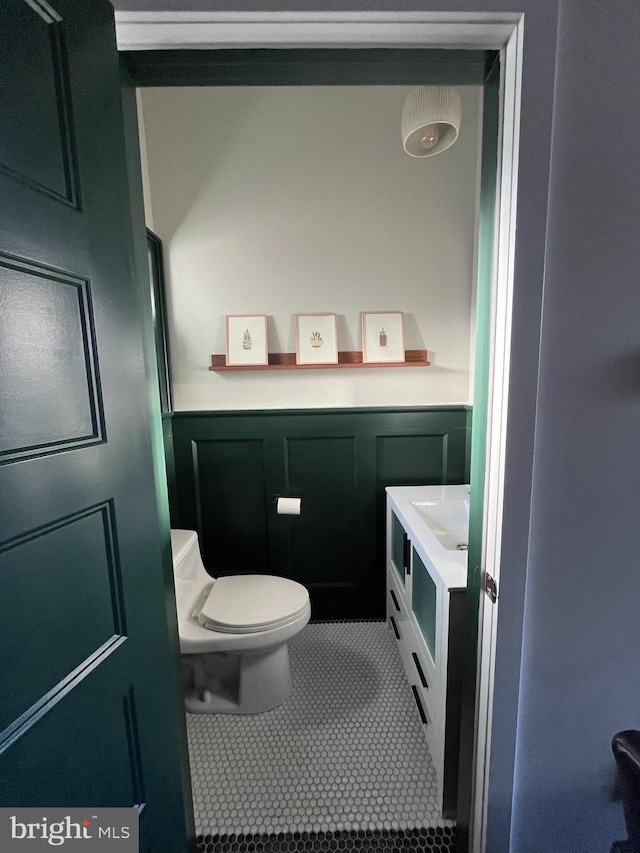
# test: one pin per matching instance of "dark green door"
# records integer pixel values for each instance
(90, 705)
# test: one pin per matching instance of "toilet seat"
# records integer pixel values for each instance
(246, 604)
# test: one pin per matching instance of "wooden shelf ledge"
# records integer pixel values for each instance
(287, 361)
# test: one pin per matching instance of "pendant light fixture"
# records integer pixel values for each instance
(430, 120)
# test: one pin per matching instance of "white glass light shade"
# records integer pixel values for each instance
(430, 120)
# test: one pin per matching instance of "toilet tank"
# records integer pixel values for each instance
(187, 562)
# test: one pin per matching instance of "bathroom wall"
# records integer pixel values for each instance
(280, 200)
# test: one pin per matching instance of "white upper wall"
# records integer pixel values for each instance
(285, 200)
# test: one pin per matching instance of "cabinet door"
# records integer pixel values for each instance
(424, 603)
(398, 547)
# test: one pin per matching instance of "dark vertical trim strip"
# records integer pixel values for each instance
(455, 651)
(195, 466)
(65, 114)
(160, 323)
(115, 569)
(91, 359)
(133, 744)
(445, 458)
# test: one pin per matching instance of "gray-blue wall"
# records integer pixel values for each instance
(571, 678)
(581, 660)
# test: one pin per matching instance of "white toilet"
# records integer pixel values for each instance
(234, 633)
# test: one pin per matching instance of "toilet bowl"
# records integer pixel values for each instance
(234, 633)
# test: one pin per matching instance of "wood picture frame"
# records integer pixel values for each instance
(316, 339)
(246, 339)
(383, 337)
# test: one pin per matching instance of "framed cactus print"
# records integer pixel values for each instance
(246, 339)
(382, 337)
(316, 339)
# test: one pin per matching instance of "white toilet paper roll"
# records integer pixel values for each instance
(288, 506)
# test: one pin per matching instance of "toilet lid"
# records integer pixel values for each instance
(244, 604)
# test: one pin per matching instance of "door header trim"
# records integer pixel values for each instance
(210, 30)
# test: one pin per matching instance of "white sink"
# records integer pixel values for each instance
(448, 520)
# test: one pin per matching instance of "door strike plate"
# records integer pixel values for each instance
(490, 587)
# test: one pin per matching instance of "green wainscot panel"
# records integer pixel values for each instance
(424, 600)
(397, 545)
(232, 506)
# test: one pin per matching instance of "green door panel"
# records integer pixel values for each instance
(74, 553)
(94, 726)
(68, 405)
(45, 160)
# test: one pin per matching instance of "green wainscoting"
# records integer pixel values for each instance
(230, 465)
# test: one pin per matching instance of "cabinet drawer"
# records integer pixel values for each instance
(416, 663)
(435, 694)
(430, 696)
(396, 606)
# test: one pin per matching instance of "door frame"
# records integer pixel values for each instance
(482, 31)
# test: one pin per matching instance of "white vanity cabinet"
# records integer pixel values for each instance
(426, 591)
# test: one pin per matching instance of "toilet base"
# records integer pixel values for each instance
(232, 683)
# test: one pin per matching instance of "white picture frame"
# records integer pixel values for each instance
(316, 339)
(383, 337)
(246, 340)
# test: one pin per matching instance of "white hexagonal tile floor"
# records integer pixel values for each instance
(345, 752)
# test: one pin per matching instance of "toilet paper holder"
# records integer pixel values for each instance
(290, 511)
